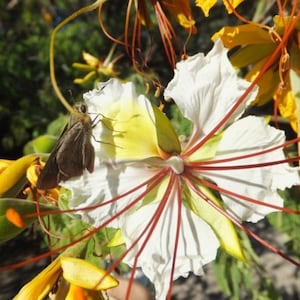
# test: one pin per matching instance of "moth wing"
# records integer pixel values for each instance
(49, 177)
(89, 156)
(70, 156)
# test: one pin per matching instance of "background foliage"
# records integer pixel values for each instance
(28, 104)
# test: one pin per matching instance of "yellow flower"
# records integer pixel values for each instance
(17, 189)
(96, 68)
(51, 195)
(206, 5)
(13, 174)
(181, 10)
(272, 53)
(41, 285)
(77, 274)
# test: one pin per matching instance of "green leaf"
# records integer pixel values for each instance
(181, 125)
(42, 144)
(56, 127)
(22, 207)
(289, 224)
(237, 279)
(66, 226)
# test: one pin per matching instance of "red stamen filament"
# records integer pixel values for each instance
(245, 156)
(150, 227)
(155, 182)
(238, 223)
(167, 32)
(242, 197)
(212, 165)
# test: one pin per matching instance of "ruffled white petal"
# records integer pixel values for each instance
(197, 244)
(106, 183)
(251, 135)
(205, 88)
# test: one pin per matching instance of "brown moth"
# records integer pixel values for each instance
(73, 152)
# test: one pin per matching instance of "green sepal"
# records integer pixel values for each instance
(208, 150)
(166, 135)
(220, 224)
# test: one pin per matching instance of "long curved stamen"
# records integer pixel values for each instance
(178, 225)
(151, 225)
(243, 197)
(102, 26)
(154, 180)
(266, 66)
(240, 225)
(58, 92)
(149, 228)
(245, 156)
(201, 166)
(239, 16)
(91, 231)
(167, 32)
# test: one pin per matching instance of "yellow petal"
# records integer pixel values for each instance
(90, 59)
(40, 286)
(181, 10)
(184, 21)
(84, 274)
(289, 101)
(208, 150)
(76, 293)
(4, 163)
(267, 84)
(14, 172)
(32, 173)
(242, 35)
(88, 77)
(83, 67)
(295, 53)
(206, 5)
(117, 240)
(234, 4)
(282, 23)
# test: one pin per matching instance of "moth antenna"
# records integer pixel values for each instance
(106, 143)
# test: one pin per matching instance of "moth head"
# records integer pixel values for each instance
(81, 107)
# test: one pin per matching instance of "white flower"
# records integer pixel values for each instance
(161, 195)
